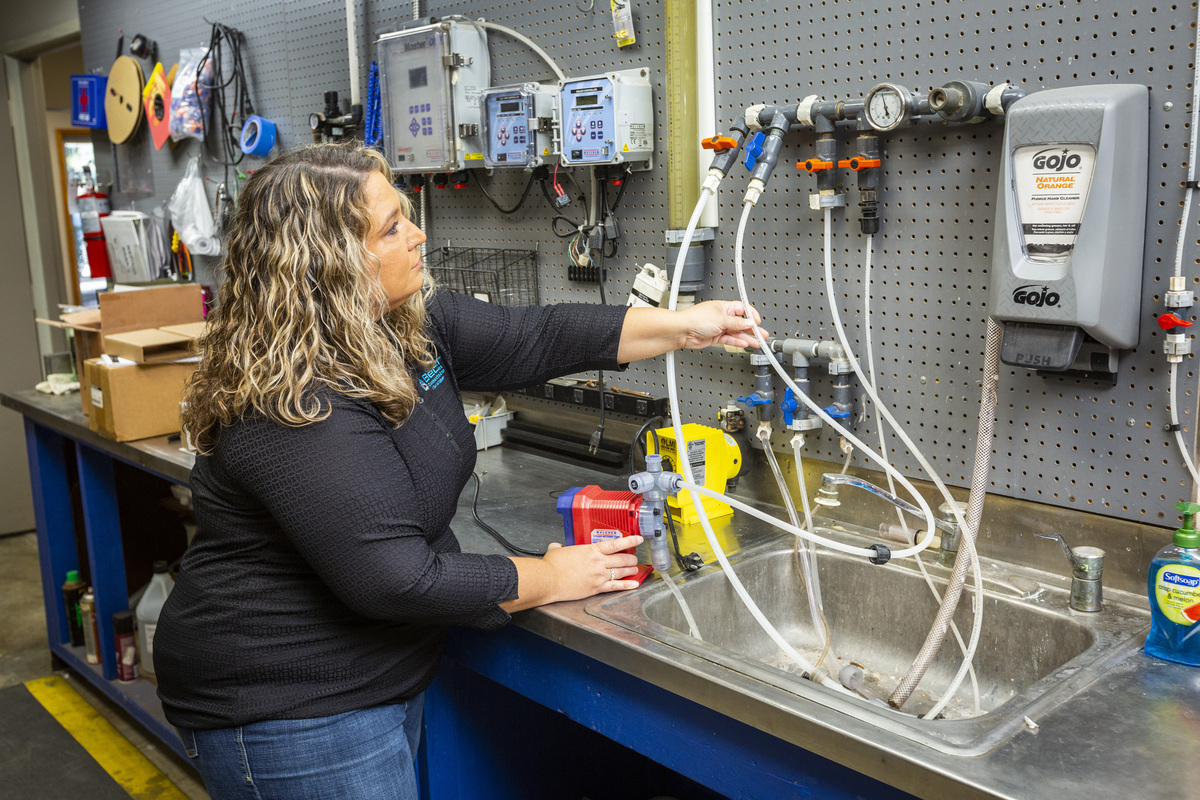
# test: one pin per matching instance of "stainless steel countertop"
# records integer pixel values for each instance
(1134, 732)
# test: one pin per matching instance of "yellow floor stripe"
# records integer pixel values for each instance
(135, 773)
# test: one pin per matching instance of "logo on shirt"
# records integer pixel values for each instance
(433, 378)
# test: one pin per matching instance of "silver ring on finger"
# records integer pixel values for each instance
(612, 573)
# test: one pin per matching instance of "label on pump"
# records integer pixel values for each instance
(604, 535)
(1177, 593)
(695, 451)
(1052, 182)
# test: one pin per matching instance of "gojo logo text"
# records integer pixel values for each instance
(1034, 295)
(1052, 160)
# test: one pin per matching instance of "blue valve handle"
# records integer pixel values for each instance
(835, 413)
(754, 150)
(753, 400)
(789, 406)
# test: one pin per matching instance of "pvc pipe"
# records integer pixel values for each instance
(352, 43)
(706, 98)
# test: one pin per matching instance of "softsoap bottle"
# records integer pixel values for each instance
(1174, 588)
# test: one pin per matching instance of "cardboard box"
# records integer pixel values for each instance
(122, 311)
(134, 401)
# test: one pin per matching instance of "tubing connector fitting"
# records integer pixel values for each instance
(655, 485)
(1178, 295)
(754, 191)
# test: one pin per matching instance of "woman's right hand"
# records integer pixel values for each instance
(573, 573)
(588, 569)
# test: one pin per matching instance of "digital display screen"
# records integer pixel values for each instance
(417, 78)
(586, 100)
(508, 107)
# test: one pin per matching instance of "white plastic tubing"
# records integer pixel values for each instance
(834, 424)
(1188, 461)
(673, 393)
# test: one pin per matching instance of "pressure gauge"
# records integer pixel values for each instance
(315, 120)
(888, 106)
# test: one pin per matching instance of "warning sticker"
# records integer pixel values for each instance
(695, 452)
(1052, 184)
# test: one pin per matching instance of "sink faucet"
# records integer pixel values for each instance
(1087, 570)
(827, 496)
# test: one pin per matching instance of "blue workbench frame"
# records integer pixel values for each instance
(512, 715)
(50, 478)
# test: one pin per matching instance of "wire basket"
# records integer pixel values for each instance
(502, 276)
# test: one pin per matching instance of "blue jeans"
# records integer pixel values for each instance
(359, 755)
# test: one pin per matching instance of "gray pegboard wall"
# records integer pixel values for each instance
(1065, 442)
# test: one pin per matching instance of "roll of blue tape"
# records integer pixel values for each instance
(258, 136)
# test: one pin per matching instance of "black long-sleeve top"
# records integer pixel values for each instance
(324, 572)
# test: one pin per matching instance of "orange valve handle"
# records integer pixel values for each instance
(719, 143)
(1168, 321)
(814, 165)
(857, 163)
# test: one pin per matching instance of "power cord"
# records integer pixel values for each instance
(228, 128)
(492, 200)
(495, 534)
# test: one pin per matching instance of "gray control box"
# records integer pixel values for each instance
(1070, 227)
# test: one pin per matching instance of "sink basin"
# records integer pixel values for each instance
(1034, 652)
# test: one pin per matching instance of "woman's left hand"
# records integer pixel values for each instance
(719, 322)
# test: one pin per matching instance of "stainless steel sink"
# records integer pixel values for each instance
(1034, 652)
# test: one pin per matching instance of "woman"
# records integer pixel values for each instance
(312, 604)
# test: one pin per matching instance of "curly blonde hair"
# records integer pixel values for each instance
(300, 304)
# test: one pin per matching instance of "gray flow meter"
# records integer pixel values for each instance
(1070, 228)
(431, 78)
(518, 125)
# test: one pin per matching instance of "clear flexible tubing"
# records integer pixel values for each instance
(1191, 173)
(962, 646)
(706, 191)
(808, 565)
(1183, 223)
(687, 612)
(739, 275)
(1183, 448)
(938, 630)
(958, 574)
(520, 37)
(814, 577)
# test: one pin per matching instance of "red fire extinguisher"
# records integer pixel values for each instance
(93, 204)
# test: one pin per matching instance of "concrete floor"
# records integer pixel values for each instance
(25, 656)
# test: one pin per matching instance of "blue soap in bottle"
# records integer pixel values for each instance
(1174, 588)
